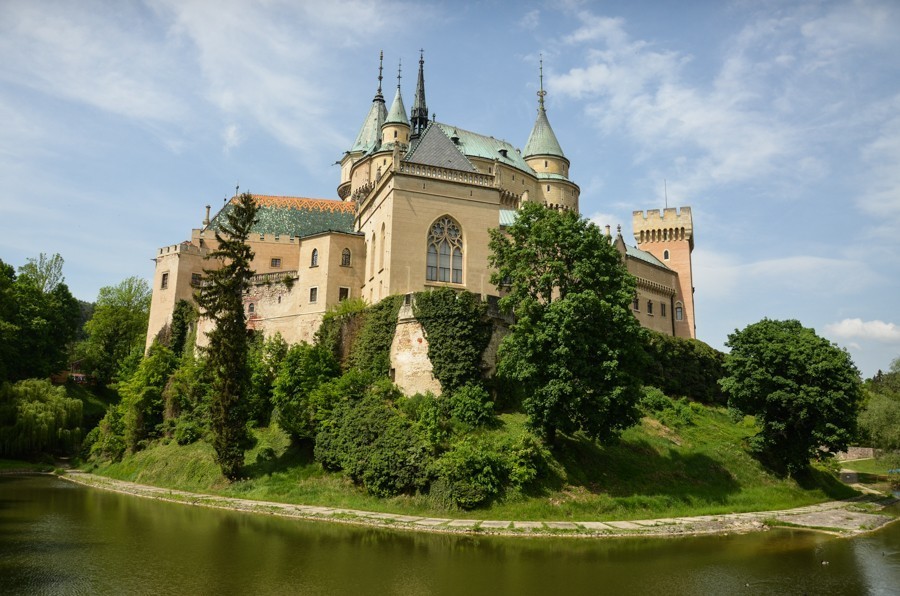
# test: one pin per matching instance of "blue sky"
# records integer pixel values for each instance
(777, 122)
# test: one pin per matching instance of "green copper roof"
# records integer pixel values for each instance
(476, 145)
(397, 115)
(434, 148)
(369, 136)
(542, 141)
(643, 255)
(295, 216)
(508, 217)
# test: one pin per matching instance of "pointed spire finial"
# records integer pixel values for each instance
(399, 70)
(419, 119)
(380, 65)
(541, 93)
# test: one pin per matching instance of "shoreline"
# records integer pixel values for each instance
(838, 518)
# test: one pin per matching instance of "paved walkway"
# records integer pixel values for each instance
(844, 518)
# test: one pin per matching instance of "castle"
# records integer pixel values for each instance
(415, 202)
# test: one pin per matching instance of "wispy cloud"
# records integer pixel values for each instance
(866, 330)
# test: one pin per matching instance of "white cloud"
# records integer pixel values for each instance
(601, 220)
(530, 20)
(866, 330)
(231, 138)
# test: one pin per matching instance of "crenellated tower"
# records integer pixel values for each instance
(669, 236)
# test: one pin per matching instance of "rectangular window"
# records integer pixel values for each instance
(165, 281)
(662, 309)
(276, 263)
(196, 278)
(649, 307)
(635, 304)
(313, 295)
(343, 294)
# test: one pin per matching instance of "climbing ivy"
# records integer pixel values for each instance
(371, 352)
(458, 331)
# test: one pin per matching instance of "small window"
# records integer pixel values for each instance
(635, 304)
(251, 308)
(276, 263)
(196, 278)
(345, 257)
(649, 307)
(313, 295)
(395, 134)
(548, 188)
(314, 260)
(545, 163)
(666, 255)
(662, 309)
(679, 312)
(165, 281)
(343, 294)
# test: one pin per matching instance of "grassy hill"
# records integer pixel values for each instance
(685, 460)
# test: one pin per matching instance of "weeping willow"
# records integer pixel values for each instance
(36, 417)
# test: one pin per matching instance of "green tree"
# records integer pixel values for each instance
(880, 420)
(36, 417)
(142, 399)
(220, 300)
(304, 369)
(37, 325)
(803, 390)
(264, 359)
(118, 326)
(575, 345)
(184, 316)
(44, 272)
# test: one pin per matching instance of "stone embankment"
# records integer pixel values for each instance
(844, 518)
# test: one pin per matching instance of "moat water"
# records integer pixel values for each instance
(61, 538)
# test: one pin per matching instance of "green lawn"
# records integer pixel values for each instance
(687, 468)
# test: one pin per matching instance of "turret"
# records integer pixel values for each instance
(545, 156)
(395, 130)
(669, 236)
(419, 114)
(369, 137)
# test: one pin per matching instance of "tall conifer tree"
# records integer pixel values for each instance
(220, 299)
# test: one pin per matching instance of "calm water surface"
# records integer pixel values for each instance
(61, 538)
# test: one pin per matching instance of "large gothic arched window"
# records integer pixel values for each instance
(445, 256)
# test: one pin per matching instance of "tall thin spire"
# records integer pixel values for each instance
(380, 67)
(419, 118)
(369, 136)
(397, 114)
(541, 93)
(542, 140)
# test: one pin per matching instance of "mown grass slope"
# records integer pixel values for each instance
(693, 463)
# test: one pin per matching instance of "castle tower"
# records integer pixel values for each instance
(545, 156)
(670, 238)
(395, 130)
(369, 137)
(419, 119)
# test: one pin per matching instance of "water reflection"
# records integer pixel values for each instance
(56, 537)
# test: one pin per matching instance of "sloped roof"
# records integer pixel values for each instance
(642, 255)
(369, 136)
(397, 115)
(434, 148)
(295, 215)
(542, 140)
(476, 145)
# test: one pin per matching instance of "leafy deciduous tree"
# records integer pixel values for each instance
(803, 390)
(220, 299)
(302, 371)
(575, 345)
(118, 326)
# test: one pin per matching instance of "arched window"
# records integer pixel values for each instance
(345, 257)
(381, 254)
(445, 257)
(679, 312)
(314, 260)
(250, 308)
(371, 258)
(665, 255)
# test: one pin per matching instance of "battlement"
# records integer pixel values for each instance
(662, 226)
(182, 248)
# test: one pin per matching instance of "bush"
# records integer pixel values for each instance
(684, 367)
(471, 405)
(187, 432)
(377, 446)
(469, 474)
(302, 371)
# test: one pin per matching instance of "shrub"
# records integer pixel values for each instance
(469, 474)
(302, 371)
(684, 367)
(471, 405)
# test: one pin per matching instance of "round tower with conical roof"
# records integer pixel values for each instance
(369, 137)
(545, 156)
(395, 130)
